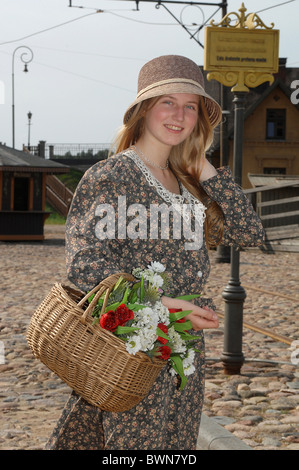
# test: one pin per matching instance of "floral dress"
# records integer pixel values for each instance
(111, 228)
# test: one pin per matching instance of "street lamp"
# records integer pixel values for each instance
(26, 61)
(29, 124)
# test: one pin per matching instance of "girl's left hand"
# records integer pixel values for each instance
(200, 317)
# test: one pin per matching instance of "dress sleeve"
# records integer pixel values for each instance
(89, 257)
(242, 226)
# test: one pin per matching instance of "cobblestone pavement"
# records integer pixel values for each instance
(259, 406)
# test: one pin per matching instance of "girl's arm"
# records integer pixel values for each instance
(242, 226)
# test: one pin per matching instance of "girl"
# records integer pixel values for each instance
(159, 162)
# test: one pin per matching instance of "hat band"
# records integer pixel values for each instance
(171, 80)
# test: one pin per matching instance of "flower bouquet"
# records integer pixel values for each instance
(134, 312)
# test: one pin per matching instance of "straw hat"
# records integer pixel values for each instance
(173, 74)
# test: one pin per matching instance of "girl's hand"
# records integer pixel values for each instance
(200, 317)
(203, 170)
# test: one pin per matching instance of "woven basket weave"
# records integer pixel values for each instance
(91, 360)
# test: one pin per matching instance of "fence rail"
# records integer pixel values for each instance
(268, 201)
(80, 151)
(58, 195)
(277, 207)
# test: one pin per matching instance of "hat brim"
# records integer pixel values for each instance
(212, 107)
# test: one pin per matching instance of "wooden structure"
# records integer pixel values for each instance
(23, 193)
(276, 198)
(271, 131)
(58, 195)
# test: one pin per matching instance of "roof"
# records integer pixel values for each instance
(271, 180)
(12, 160)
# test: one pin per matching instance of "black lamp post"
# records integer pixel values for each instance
(26, 61)
(29, 124)
(234, 294)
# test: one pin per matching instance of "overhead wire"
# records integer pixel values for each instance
(275, 6)
(85, 77)
(49, 29)
(112, 12)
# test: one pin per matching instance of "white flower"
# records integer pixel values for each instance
(153, 278)
(190, 369)
(178, 343)
(156, 267)
(147, 337)
(162, 312)
(146, 317)
(133, 345)
(188, 363)
(157, 280)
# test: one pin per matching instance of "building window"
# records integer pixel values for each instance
(276, 124)
(274, 171)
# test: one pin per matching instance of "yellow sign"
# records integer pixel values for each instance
(241, 55)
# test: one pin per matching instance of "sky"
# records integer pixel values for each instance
(86, 59)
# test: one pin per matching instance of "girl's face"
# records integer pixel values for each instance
(172, 118)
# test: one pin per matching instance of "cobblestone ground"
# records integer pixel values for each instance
(260, 405)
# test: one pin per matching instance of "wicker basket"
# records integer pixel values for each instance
(91, 360)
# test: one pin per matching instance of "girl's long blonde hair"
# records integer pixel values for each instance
(185, 161)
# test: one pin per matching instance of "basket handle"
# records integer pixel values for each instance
(105, 285)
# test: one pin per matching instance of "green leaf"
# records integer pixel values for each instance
(122, 330)
(177, 364)
(112, 306)
(187, 337)
(125, 297)
(132, 297)
(187, 325)
(136, 306)
(118, 283)
(162, 334)
(178, 315)
(188, 297)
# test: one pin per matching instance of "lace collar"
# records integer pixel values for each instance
(185, 202)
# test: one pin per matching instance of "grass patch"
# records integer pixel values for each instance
(71, 179)
(54, 218)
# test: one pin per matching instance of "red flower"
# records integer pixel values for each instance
(165, 352)
(173, 310)
(164, 328)
(124, 314)
(109, 321)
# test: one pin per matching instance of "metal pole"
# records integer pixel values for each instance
(234, 294)
(25, 61)
(29, 115)
(13, 105)
(223, 252)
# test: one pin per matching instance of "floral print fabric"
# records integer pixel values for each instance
(167, 418)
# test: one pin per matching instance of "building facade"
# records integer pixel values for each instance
(271, 128)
